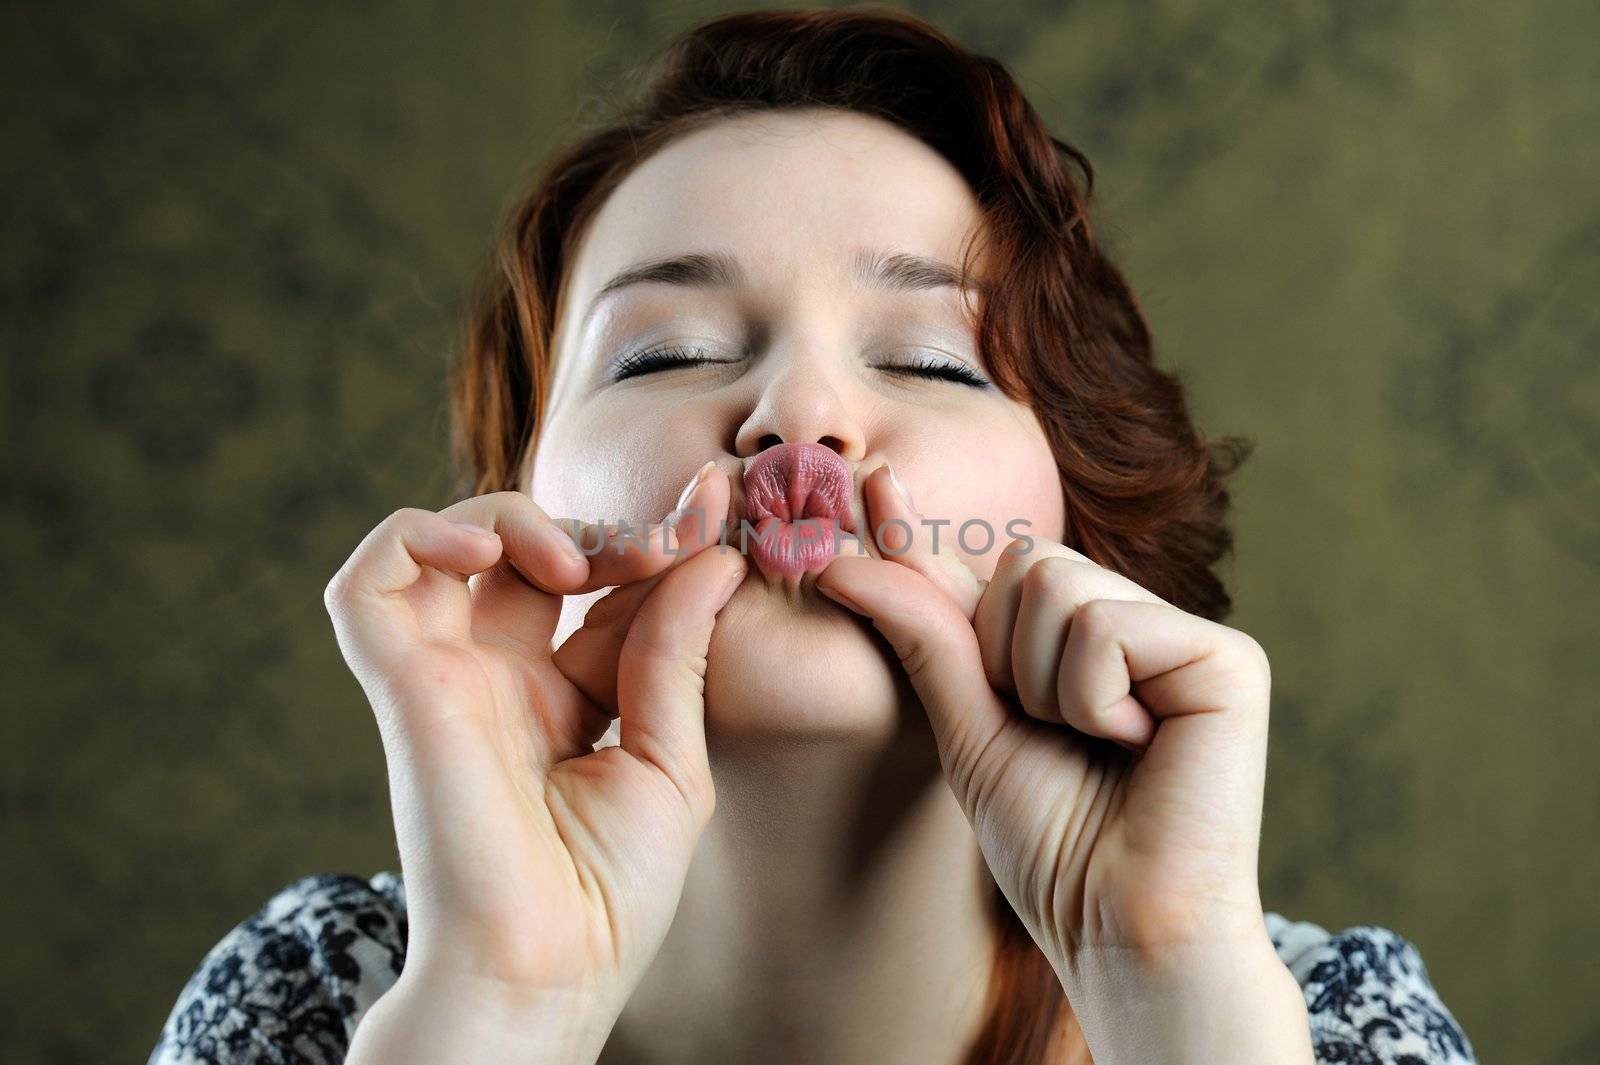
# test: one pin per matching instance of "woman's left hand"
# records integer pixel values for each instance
(1108, 748)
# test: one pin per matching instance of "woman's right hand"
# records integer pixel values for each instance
(541, 874)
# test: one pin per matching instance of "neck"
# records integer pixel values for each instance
(837, 909)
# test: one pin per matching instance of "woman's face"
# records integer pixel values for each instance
(806, 339)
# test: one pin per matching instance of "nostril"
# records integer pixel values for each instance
(833, 443)
(769, 440)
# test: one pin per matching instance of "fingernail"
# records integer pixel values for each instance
(734, 580)
(583, 536)
(699, 478)
(479, 529)
(841, 598)
(900, 489)
(558, 536)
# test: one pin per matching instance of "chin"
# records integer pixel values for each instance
(787, 663)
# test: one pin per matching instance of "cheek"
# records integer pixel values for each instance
(602, 470)
(991, 489)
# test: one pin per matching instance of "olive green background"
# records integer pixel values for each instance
(235, 244)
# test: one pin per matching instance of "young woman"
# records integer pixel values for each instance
(909, 733)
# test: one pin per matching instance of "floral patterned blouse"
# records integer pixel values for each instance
(288, 985)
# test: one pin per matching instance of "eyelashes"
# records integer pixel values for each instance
(637, 363)
(652, 360)
(927, 366)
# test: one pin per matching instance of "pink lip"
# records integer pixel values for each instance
(791, 483)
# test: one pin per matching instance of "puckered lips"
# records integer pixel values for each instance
(797, 501)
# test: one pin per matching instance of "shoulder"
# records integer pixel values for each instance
(290, 982)
(1369, 996)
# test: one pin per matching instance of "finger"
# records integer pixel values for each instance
(517, 602)
(928, 546)
(701, 513)
(623, 552)
(365, 598)
(937, 648)
(1184, 665)
(1049, 592)
(569, 722)
(620, 552)
(995, 620)
(508, 611)
(534, 545)
(1022, 624)
(661, 673)
(634, 554)
(588, 657)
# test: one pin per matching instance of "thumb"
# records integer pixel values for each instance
(936, 646)
(901, 532)
(661, 672)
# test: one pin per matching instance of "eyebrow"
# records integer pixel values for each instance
(902, 272)
(888, 271)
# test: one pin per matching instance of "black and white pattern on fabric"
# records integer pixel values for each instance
(1369, 996)
(288, 985)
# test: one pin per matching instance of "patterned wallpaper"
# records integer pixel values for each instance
(1367, 234)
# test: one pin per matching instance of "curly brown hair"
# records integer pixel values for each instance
(1144, 490)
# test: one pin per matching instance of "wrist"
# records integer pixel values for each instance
(443, 1020)
(1200, 1002)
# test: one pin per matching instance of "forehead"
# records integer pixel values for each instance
(791, 194)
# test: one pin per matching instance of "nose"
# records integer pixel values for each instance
(802, 404)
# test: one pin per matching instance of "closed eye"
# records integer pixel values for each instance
(638, 363)
(652, 360)
(939, 369)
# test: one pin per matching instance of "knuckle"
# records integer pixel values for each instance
(337, 591)
(403, 517)
(333, 593)
(343, 584)
(392, 527)
(650, 641)
(512, 504)
(1056, 578)
(1249, 666)
(916, 656)
(1096, 619)
(694, 790)
(1253, 653)
(504, 504)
